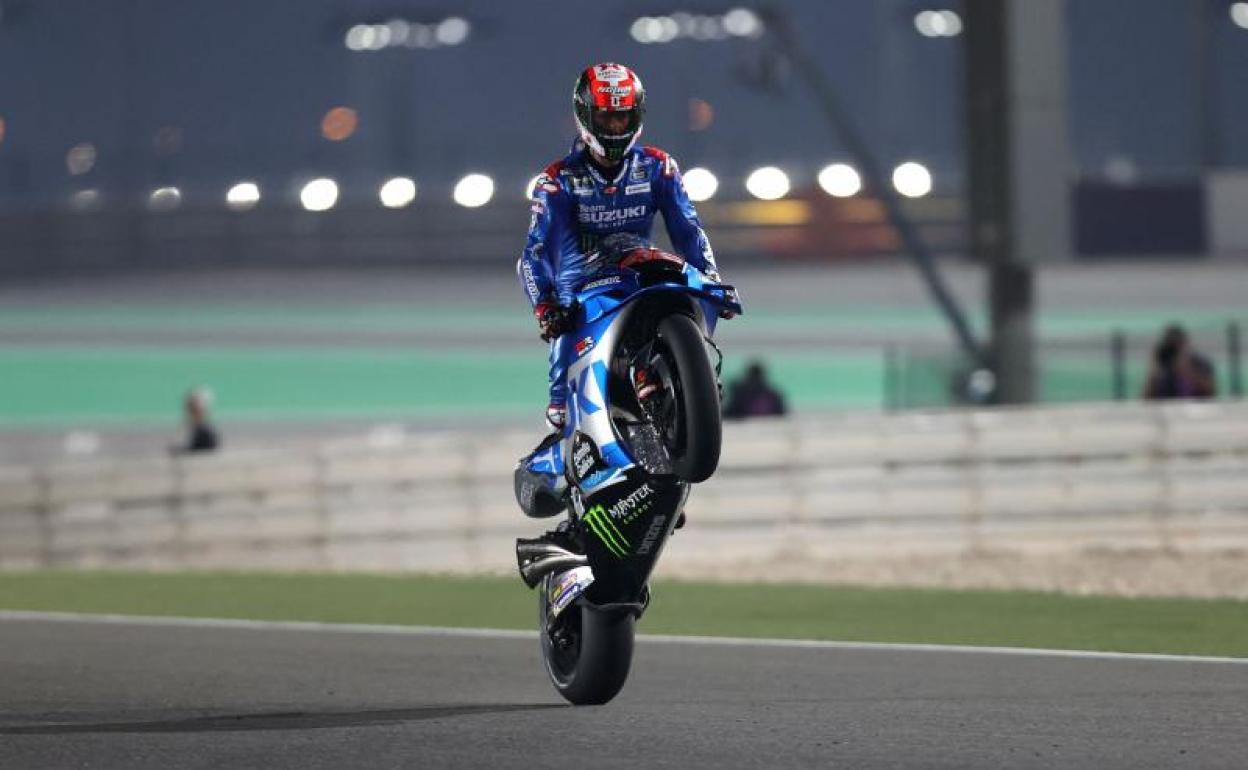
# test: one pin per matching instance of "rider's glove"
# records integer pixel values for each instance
(732, 296)
(552, 319)
(729, 293)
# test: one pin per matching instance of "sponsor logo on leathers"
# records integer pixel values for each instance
(582, 185)
(609, 281)
(530, 283)
(592, 214)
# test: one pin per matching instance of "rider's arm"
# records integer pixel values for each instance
(551, 236)
(681, 219)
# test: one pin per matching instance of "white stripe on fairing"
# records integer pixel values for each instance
(499, 633)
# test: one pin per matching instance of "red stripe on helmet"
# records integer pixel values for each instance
(612, 86)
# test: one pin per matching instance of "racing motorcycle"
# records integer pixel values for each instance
(643, 425)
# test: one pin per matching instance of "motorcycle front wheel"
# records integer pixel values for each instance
(694, 433)
(588, 652)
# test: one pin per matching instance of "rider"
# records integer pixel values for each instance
(606, 185)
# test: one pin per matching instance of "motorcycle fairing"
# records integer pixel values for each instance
(603, 300)
(604, 307)
(627, 509)
(627, 525)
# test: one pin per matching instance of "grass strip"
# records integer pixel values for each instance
(1004, 618)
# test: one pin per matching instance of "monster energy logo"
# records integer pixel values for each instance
(604, 529)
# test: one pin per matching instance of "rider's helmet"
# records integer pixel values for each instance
(609, 103)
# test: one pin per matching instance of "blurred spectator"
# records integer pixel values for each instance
(201, 436)
(1177, 370)
(753, 395)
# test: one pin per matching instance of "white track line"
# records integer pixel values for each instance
(499, 633)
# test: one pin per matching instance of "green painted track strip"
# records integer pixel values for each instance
(143, 385)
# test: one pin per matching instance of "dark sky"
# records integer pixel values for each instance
(241, 86)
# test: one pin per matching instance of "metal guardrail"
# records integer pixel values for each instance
(1106, 476)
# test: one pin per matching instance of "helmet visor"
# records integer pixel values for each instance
(616, 123)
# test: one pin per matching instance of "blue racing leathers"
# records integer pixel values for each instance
(575, 206)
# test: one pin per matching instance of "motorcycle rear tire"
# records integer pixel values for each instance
(699, 395)
(596, 672)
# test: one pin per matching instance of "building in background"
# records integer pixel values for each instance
(246, 108)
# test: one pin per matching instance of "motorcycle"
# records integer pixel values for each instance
(643, 426)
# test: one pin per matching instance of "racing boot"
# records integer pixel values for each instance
(540, 487)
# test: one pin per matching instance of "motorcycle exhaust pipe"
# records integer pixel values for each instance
(538, 558)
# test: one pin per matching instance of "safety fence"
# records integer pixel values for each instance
(1113, 476)
(1114, 365)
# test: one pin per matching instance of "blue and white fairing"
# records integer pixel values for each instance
(605, 304)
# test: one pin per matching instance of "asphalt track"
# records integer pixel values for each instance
(168, 695)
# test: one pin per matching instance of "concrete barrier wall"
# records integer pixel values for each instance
(1227, 196)
(1043, 479)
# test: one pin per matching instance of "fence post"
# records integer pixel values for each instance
(320, 484)
(43, 509)
(973, 520)
(1118, 359)
(1233, 359)
(179, 510)
(890, 379)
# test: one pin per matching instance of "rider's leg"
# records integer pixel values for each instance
(540, 485)
(557, 410)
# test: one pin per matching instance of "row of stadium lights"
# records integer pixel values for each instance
(742, 22)
(946, 23)
(840, 180)
(736, 23)
(401, 33)
(768, 183)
